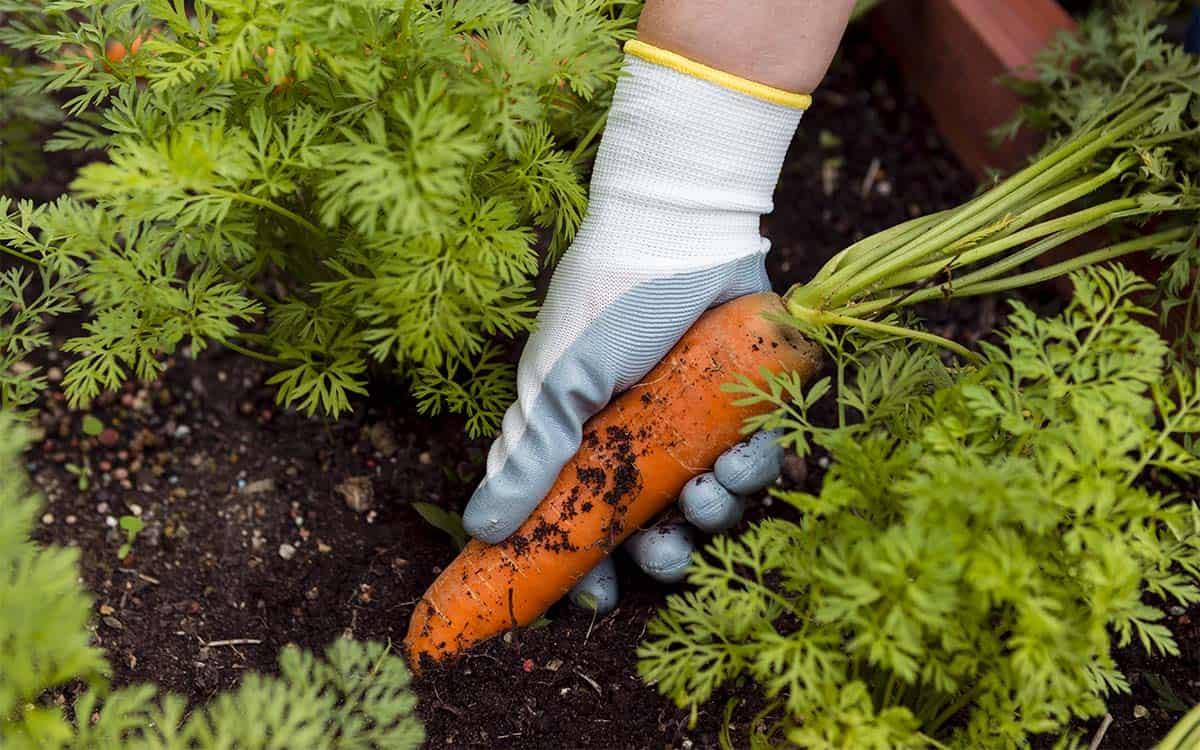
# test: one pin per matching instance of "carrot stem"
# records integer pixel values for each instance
(270, 206)
(1010, 197)
(20, 255)
(824, 317)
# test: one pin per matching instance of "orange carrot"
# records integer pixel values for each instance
(116, 52)
(636, 456)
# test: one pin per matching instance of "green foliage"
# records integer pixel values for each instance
(356, 698)
(982, 539)
(1119, 57)
(132, 526)
(22, 116)
(445, 521)
(366, 182)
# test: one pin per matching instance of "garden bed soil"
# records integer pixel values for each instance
(258, 533)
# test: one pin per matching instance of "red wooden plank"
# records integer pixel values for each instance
(952, 51)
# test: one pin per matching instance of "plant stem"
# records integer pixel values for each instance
(252, 354)
(1074, 264)
(947, 289)
(896, 235)
(949, 712)
(824, 317)
(1103, 212)
(270, 206)
(582, 147)
(983, 281)
(20, 255)
(1007, 197)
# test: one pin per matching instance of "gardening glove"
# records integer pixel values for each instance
(687, 165)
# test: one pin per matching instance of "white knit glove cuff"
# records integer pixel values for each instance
(687, 166)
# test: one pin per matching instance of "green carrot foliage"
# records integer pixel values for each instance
(1120, 55)
(22, 116)
(341, 189)
(983, 540)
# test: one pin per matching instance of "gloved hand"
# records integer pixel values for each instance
(686, 167)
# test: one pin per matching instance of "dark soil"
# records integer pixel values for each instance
(249, 545)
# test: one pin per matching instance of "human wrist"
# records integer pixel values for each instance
(787, 44)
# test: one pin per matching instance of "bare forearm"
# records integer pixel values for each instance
(787, 44)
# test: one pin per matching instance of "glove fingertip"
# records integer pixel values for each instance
(748, 467)
(708, 505)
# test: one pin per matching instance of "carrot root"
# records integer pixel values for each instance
(636, 456)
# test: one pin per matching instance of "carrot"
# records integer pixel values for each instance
(115, 52)
(636, 456)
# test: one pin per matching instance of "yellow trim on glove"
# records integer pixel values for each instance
(687, 66)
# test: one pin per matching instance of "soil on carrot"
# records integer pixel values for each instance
(263, 528)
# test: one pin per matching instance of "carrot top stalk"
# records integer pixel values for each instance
(981, 246)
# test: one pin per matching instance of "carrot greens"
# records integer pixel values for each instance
(982, 541)
(1121, 58)
(342, 190)
(1098, 178)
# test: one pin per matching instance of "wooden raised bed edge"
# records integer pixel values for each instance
(951, 52)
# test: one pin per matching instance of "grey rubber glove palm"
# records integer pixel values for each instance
(683, 173)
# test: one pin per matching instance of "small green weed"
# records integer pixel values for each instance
(132, 526)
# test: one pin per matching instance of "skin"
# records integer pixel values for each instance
(787, 44)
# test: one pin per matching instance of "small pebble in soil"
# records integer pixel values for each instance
(1140, 711)
(382, 439)
(48, 519)
(357, 492)
(257, 487)
(425, 458)
(109, 437)
(287, 551)
(795, 469)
